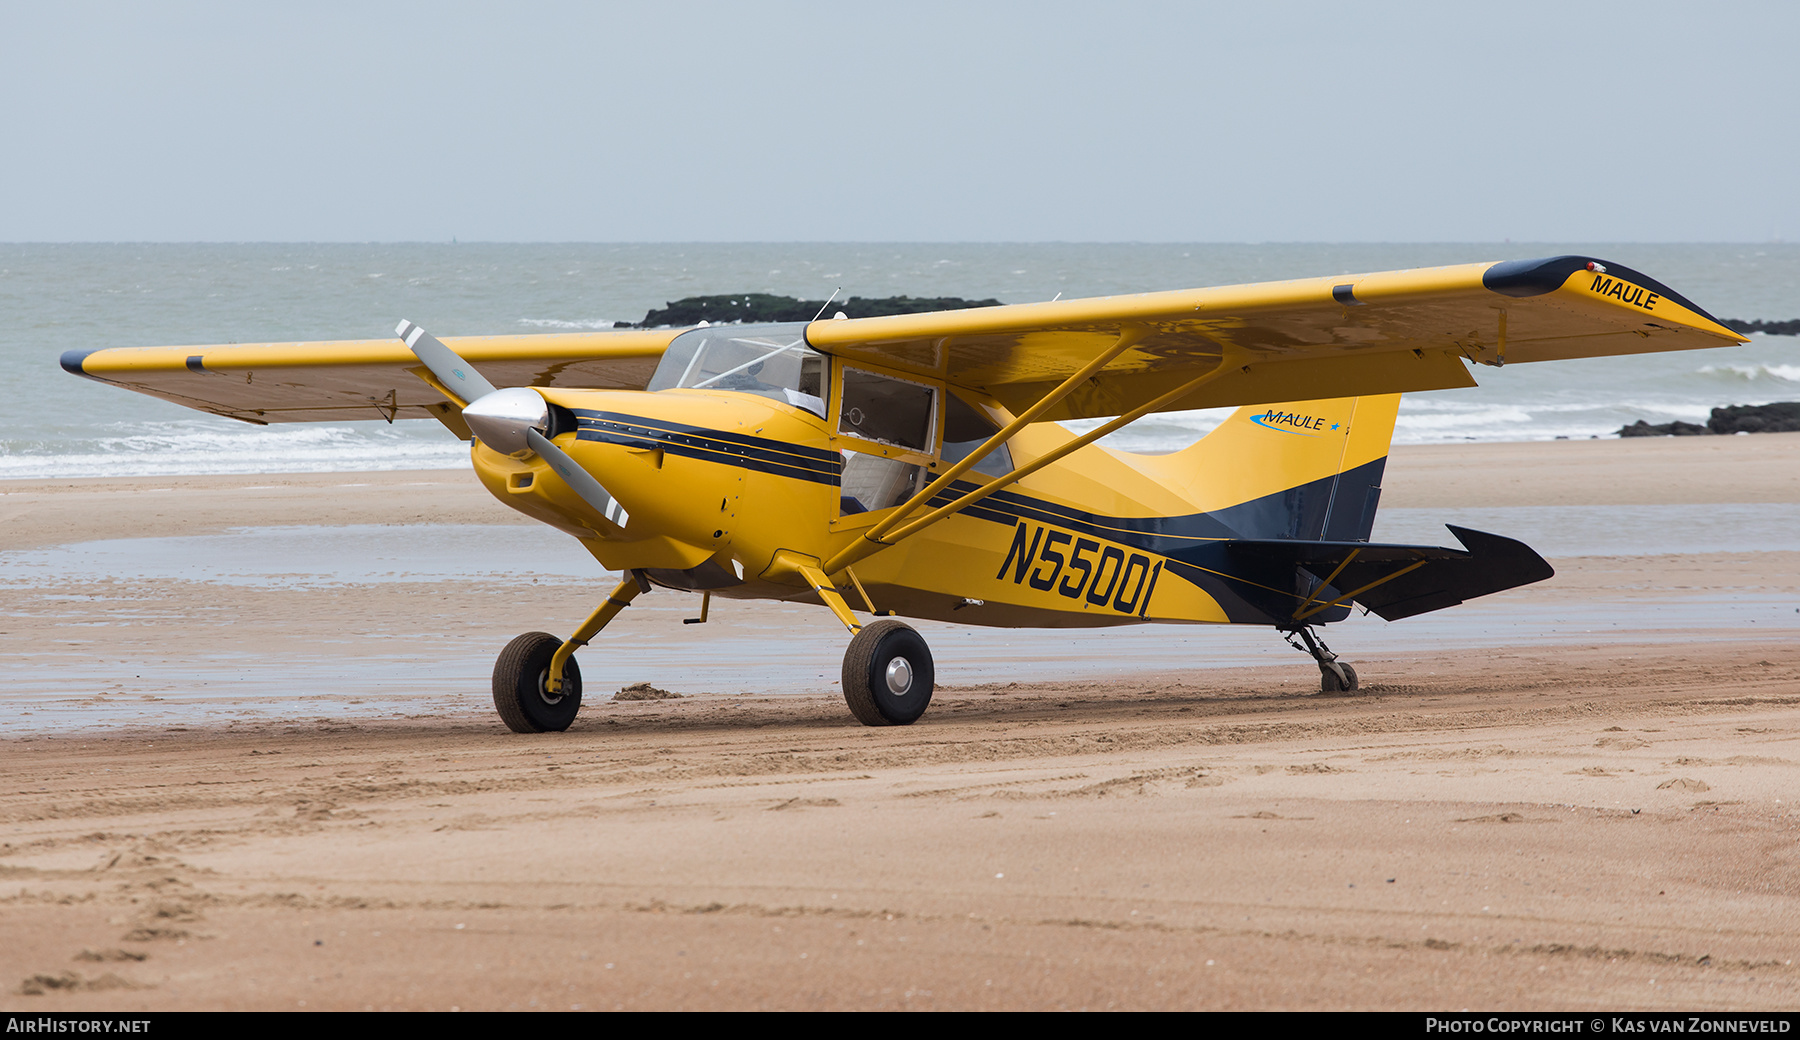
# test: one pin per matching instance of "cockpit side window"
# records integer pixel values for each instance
(767, 360)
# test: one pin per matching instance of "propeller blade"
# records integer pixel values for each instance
(579, 480)
(457, 375)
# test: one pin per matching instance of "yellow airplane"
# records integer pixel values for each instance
(912, 465)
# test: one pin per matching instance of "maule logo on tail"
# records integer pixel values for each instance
(1294, 422)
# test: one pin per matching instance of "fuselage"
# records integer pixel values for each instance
(751, 450)
(716, 483)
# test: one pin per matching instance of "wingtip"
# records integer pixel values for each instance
(71, 362)
(1523, 278)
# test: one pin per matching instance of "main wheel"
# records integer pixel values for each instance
(887, 674)
(1330, 683)
(521, 680)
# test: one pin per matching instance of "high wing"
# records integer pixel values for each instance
(1310, 338)
(365, 379)
(1274, 341)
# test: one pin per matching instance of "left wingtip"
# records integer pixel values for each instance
(72, 359)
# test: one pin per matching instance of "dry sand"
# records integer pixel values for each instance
(1598, 819)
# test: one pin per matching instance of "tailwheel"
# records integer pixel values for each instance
(888, 676)
(521, 686)
(1331, 682)
(1335, 676)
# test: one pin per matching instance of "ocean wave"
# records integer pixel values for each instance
(1754, 373)
(195, 448)
(557, 323)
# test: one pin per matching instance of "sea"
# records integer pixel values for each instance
(59, 297)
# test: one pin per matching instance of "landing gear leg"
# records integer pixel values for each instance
(537, 684)
(1334, 675)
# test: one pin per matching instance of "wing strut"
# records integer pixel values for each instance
(885, 534)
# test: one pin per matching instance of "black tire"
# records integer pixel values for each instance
(520, 676)
(1329, 682)
(888, 648)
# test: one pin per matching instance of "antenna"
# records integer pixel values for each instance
(827, 302)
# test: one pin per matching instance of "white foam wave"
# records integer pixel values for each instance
(199, 447)
(1755, 373)
(557, 323)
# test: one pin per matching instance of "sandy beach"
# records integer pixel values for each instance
(250, 763)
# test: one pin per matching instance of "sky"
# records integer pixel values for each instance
(887, 122)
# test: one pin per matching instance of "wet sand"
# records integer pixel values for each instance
(257, 792)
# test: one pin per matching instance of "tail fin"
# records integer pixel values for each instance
(1306, 470)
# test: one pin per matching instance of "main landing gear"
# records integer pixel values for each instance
(888, 674)
(1334, 675)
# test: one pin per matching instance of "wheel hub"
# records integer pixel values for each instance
(899, 676)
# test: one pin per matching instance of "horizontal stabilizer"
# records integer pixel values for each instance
(1393, 581)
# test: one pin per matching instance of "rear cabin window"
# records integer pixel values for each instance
(767, 360)
(967, 428)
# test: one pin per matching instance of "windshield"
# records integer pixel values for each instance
(768, 360)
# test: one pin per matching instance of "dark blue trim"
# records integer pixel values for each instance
(1244, 600)
(754, 453)
(1197, 546)
(1335, 507)
(1159, 534)
(663, 426)
(706, 453)
(1346, 295)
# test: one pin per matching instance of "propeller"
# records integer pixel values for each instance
(457, 375)
(514, 420)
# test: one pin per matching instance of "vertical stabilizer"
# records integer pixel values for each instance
(1301, 469)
